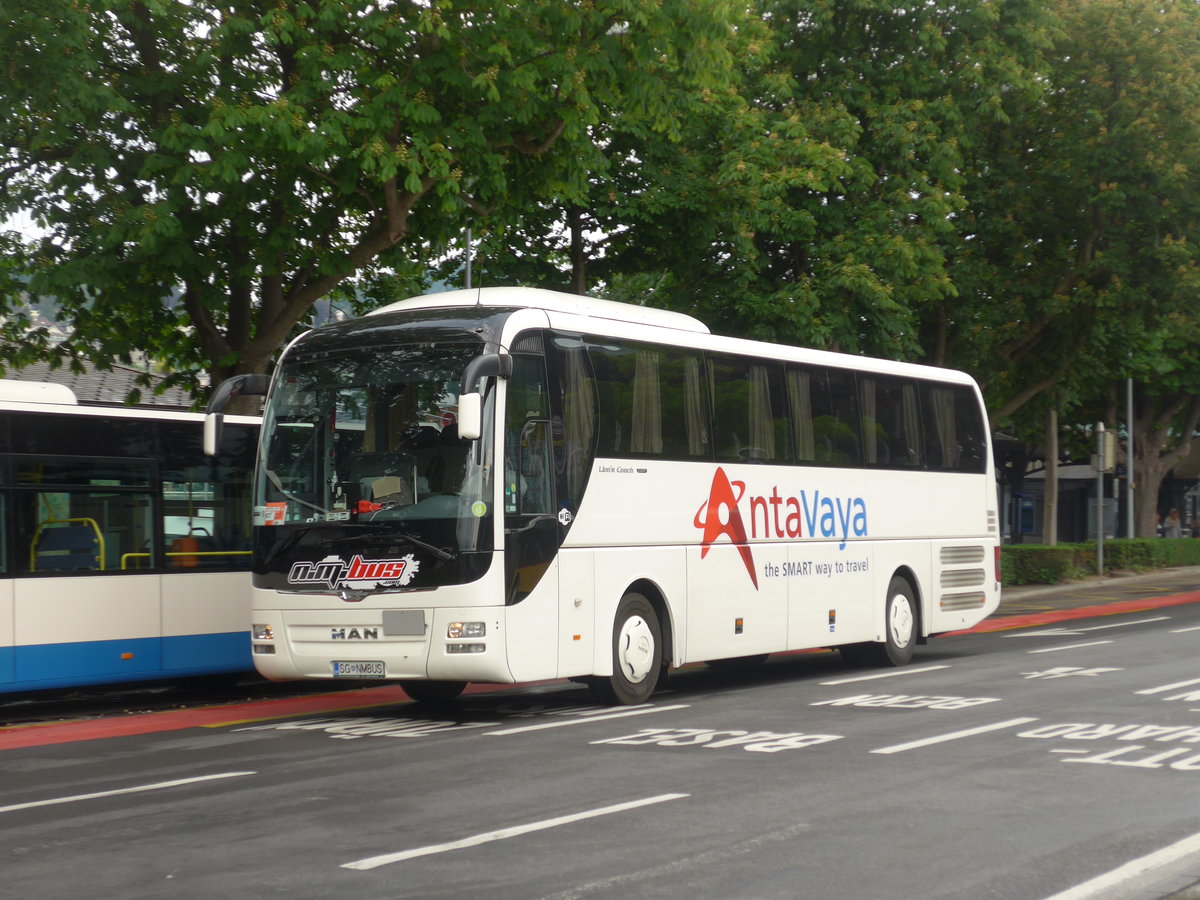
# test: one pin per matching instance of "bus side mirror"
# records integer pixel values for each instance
(470, 416)
(470, 401)
(237, 386)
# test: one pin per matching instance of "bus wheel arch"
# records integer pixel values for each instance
(638, 650)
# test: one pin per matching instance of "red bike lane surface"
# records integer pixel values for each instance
(23, 736)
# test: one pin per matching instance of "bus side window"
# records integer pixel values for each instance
(527, 486)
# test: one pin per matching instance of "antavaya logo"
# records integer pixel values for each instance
(775, 516)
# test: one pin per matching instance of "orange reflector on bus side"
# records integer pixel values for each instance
(126, 656)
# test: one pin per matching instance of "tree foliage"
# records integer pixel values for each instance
(207, 171)
(1081, 260)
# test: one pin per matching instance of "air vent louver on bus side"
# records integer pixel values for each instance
(954, 602)
(962, 556)
(956, 559)
(962, 578)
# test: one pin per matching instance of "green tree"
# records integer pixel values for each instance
(1080, 252)
(819, 203)
(241, 160)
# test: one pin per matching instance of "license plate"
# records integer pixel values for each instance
(358, 668)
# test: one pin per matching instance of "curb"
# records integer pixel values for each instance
(1092, 581)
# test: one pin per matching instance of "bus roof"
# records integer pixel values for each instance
(16, 391)
(553, 301)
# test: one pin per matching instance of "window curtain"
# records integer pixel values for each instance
(762, 432)
(800, 403)
(646, 436)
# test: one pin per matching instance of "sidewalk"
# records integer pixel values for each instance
(1096, 590)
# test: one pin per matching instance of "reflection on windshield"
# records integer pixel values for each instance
(373, 437)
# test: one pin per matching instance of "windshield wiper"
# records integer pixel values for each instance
(302, 528)
(438, 552)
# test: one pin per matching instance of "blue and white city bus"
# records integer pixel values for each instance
(507, 485)
(124, 549)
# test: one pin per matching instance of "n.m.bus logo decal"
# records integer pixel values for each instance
(774, 516)
(358, 574)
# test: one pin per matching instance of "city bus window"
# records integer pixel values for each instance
(890, 422)
(954, 435)
(652, 401)
(86, 522)
(749, 411)
(825, 413)
(527, 488)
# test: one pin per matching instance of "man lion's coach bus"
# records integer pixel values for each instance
(507, 485)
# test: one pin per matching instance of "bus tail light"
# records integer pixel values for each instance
(997, 564)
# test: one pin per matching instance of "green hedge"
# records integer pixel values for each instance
(1036, 564)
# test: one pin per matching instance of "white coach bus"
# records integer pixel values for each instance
(507, 485)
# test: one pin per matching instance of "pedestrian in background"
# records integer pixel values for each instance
(1173, 528)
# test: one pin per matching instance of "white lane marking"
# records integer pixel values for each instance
(384, 859)
(132, 790)
(1069, 647)
(1168, 687)
(884, 675)
(1132, 869)
(1058, 632)
(1184, 630)
(583, 721)
(955, 735)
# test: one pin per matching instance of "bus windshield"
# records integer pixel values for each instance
(371, 438)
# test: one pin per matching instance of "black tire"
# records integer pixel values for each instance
(435, 693)
(636, 654)
(901, 617)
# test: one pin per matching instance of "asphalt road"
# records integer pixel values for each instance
(1057, 755)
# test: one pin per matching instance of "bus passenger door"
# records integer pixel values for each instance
(531, 529)
(576, 612)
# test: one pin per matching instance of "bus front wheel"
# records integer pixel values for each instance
(636, 654)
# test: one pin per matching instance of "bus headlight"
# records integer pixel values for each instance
(466, 630)
(262, 633)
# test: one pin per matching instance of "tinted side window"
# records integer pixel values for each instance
(955, 439)
(652, 401)
(750, 411)
(891, 422)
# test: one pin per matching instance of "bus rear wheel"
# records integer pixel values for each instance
(434, 693)
(900, 630)
(636, 654)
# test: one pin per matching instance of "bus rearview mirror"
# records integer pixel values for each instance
(470, 416)
(212, 433)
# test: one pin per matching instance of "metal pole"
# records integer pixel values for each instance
(468, 257)
(1099, 498)
(1129, 517)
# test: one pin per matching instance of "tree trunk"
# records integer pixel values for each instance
(1050, 500)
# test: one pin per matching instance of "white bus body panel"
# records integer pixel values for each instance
(197, 603)
(8, 633)
(826, 585)
(84, 611)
